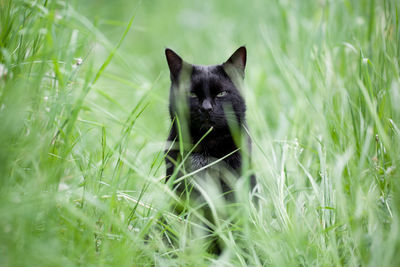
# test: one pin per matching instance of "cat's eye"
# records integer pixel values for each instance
(192, 95)
(222, 94)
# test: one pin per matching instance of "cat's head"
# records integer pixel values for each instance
(211, 95)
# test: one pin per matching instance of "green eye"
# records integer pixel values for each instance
(222, 94)
(192, 95)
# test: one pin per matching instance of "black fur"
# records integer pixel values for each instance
(213, 100)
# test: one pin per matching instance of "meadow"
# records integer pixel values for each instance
(84, 117)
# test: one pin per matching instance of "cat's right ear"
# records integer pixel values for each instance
(175, 63)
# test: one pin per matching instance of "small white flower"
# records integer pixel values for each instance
(3, 71)
(58, 16)
(78, 61)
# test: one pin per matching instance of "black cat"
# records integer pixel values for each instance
(208, 114)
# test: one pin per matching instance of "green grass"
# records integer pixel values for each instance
(84, 115)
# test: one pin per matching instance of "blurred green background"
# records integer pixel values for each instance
(84, 116)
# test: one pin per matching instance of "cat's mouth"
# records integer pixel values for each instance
(207, 123)
(204, 121)
(206, 118)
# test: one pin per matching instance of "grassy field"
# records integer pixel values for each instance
(84, 117)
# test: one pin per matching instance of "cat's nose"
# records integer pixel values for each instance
(206, 105)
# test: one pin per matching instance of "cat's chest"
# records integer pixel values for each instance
(212, 173)
(199, 160)
(208, 163)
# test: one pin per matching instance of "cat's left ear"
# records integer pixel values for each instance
(238, 60)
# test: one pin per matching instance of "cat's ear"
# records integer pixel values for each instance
(238, 60)
(175, 63)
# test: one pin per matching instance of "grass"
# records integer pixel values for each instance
(84, 116)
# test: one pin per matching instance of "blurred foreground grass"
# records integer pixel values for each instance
(84, 115)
